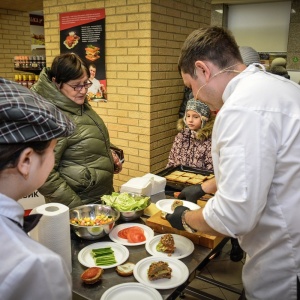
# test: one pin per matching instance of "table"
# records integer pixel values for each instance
(197, 260)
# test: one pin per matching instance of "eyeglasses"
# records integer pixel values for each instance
(79, 87)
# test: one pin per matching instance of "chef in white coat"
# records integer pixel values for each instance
(256, 157)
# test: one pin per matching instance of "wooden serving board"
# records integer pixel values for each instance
(160, 225)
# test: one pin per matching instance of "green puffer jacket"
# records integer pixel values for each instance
(84, 167)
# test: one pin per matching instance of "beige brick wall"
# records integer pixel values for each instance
(143, 40)
(15, 40)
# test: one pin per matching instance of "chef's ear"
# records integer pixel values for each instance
(201, 69)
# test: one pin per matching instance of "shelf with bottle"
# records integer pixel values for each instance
(34, 63)
(26, 80)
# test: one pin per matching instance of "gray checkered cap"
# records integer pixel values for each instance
(25, 116)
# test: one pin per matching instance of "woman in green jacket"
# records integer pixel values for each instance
(84, 162)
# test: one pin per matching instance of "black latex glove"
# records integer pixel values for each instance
(192, 193)
(175, 218)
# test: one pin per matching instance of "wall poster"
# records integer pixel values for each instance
(83, 33)
(37, 31)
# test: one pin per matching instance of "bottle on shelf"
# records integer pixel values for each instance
(30, 81)
(20, 79)
(17, 78)
(24, 80)
(16, 62)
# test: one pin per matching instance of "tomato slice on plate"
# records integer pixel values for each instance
(123, 233)
(135, 236)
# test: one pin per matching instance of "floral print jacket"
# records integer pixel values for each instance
(191, 148)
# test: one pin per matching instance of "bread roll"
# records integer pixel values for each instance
(125, 269)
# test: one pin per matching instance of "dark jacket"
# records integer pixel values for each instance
(83, 170)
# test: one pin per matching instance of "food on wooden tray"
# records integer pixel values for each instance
(171, 177)
(190, 175)
(202, 177)
(182, 179)
(166, 244)
(158, 270)
(176, 203)
(125, 269)
(103, 256)
(178, 173)
(91, 275)
(87, 221)
(195, 180)
(133, 234)
(187, 177)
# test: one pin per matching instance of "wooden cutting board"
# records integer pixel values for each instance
(160, 225)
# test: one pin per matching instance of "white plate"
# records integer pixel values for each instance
(86, 259)
(149, 233)
(180, 273)
(165, 205)
(184, 246)
(132, 291)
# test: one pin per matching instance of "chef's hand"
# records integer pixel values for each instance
(175, 218)
(117, 163)
(192, 193)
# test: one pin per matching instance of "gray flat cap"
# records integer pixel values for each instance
(25, 116)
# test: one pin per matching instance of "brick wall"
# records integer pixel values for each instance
(15, 40)
(143, 40)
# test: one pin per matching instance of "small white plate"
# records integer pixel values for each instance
(180, 273)
(149, 233)
(184, 246)
(165, 205)
(132, 291)
(86, 259)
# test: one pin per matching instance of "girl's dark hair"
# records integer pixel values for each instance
(10, 153)
(66, 67)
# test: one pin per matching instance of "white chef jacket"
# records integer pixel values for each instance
(256, 156)
(29, 271)
(95, 87)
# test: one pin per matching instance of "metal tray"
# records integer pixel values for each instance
(178, 186)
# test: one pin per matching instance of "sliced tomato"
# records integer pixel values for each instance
(135, 236)
(123, 233)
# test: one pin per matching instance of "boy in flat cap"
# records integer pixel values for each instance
(29, 127)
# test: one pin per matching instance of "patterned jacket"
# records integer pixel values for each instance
(192, 148)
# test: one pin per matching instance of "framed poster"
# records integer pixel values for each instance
(37, 31)
(83, 33)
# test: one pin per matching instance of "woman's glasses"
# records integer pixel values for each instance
(79, 87)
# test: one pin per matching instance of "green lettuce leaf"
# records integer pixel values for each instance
(125, 202)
